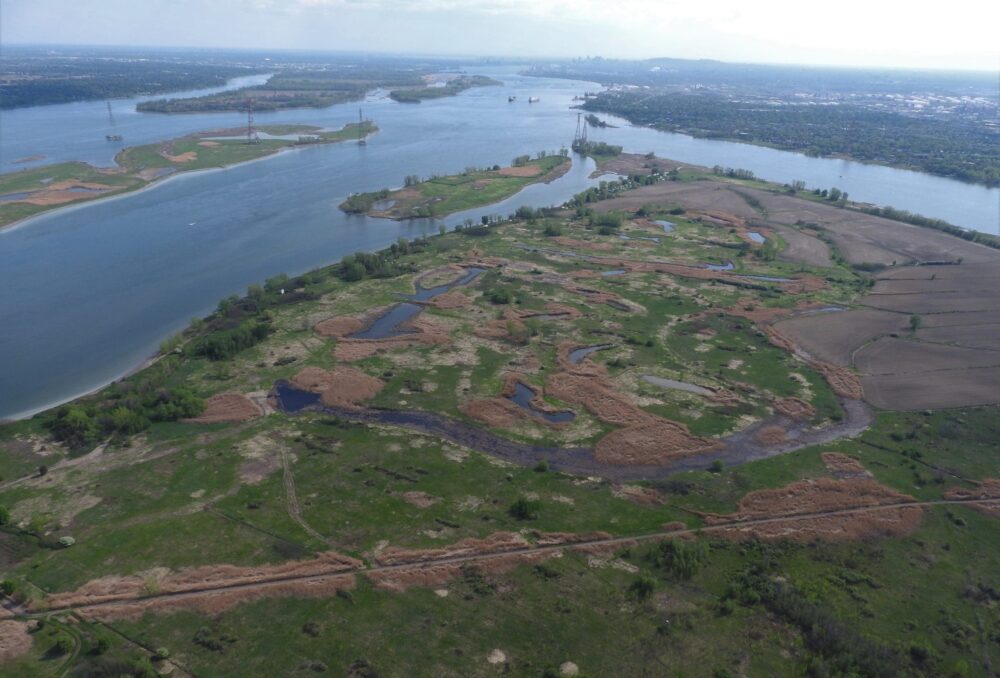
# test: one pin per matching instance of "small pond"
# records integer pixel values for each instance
(578, 354)
(676, 385)
(523, 397)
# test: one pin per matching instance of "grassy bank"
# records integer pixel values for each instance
(440, 196)
(41, 189)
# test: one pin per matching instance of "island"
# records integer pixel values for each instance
(29, 192)
(440, 196)
(442, 88)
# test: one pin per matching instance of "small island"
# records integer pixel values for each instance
(32, 191)
(440, 196)
(415, 95)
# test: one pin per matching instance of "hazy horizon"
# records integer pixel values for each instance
(854, 35)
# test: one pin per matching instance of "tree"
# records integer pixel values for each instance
(682, 559)
(523, 509)
(642, 587)
(915, 322)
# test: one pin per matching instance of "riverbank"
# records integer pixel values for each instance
(441, 196)
(28, 193)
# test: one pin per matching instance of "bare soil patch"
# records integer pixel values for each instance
(802, 248)
(988, 488)
(933, 390)
(522, 171)
(644, 496)
(124, 588)
(209, 144)
(497, 542)
(14, 640)
(576, 244)
(815, 496)
(902, 356)
(227, 407)
(842, 466)
(451, 300)
(420, 499)
(834, 337)
(796, 408)
(771, 435)
(189, 156)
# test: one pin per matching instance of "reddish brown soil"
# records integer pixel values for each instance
(575, 243)
(772, 435)
(842, 380)
(842, 466)
(452, 299)
(14, 640)
(342, 386)
(814, 496)
(212, 603)
(645, 438)
(796, 408)
(227, 407)
(522, 171)
(114, 588)
(644, 496)
(428, 332)
(502, 412)
(988, 488)
(498, 542)
(59, 193)
(420, 499)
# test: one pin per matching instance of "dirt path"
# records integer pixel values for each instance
(292, 500)
(507, 554)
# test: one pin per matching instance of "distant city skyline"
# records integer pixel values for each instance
(856, 33)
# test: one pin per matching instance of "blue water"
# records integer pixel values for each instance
(578, 354)
(756, 237)
(728, 266)
(294, 399)
(523, 397)
(425, 293)
(668, 226)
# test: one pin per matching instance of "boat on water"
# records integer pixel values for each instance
(511, 98)
(532, 100)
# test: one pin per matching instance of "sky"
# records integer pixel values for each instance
(958, 34)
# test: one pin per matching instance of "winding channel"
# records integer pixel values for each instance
(739, 448)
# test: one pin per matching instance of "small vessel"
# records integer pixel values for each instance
(192, 223)
(532, 100)
(511, 98)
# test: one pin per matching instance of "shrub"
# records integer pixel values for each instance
(642, 587)
(524, 509)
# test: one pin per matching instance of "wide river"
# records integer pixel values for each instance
(87, 293)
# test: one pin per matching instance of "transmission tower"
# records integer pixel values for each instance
(580, 137)
(252, 136)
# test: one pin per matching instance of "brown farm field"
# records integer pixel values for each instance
(947, 362)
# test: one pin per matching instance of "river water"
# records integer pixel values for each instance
(88, 292)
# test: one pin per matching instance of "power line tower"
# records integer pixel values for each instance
(113, 135)
(252, 136)
(580, 137)
(361, 127)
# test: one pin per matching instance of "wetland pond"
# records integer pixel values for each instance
(523, 396)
